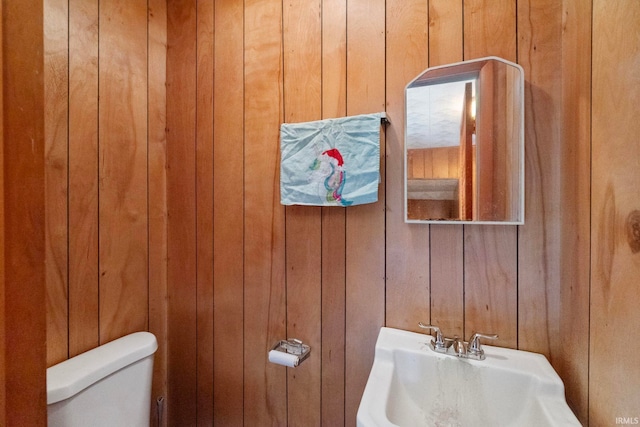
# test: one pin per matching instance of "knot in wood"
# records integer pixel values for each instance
(633, 231)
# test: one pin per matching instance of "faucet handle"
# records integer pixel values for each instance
(475, 349)
(439, 343)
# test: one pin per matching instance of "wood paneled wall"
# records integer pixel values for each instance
(22, 232)
(331, 276)
(242, 271)
(105, 180)
(614, 374)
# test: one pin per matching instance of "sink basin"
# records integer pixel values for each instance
(412, 385)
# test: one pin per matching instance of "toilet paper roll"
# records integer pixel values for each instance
(282, 358)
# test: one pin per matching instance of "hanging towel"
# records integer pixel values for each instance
(331, 162)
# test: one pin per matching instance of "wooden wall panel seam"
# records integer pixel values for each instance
(56, 71)
(333, 225)
(157, 238)
(265, 309)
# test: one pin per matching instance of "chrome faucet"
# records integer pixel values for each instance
(459, 347)
(456, 346)
(439, 344)
(474, 349)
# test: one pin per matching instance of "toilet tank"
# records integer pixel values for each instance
(107, 386)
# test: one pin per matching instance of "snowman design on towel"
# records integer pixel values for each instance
(328, 172)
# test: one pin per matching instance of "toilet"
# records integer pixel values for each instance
(107, 386)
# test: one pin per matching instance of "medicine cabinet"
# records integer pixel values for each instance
(464, 143)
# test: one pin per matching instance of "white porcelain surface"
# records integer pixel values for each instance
(411, 385)
(104, 387)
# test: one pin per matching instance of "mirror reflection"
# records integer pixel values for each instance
(464, 143)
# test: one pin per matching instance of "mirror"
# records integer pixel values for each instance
(464, 144)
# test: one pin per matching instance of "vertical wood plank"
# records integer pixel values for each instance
(614, 387)
(304, 312)
(334, 65)
(407, 245)
(490, 252)
(204, 213)
(489, 29)
(334, 59)
(538, 278)
(572, 359)
(553, 299)
(302, 29)
(264, 252)
(490, 283)
(446, 246)
(83, 176)
(123, 168)
(24, 320)
(365, 252)
(447, 279)
(333, 317)
(228, 214)
(157, 110)
(445, 32)
(553, 312)
(181, 205)
(3, 317)
(56, 73)
(466, 158)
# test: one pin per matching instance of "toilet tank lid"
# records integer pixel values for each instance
(74, 375)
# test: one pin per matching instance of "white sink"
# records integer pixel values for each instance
(412, 385)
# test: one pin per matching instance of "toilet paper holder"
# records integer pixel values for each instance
(293, 346)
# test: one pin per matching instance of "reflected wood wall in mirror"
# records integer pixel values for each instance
(464, 143)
